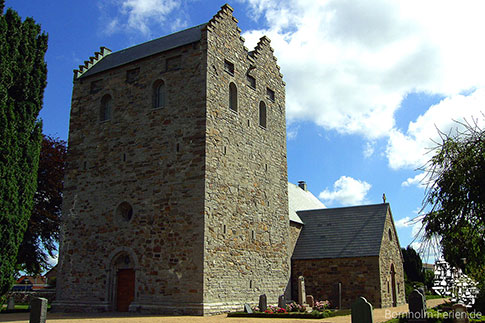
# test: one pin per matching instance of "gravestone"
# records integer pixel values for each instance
(11, 303)
(460, 314)
(310, 301)
(248, 309)
(282, 301)
(263, 304)
(38, 310)
(301, 290)
(417, 307)
(361, 311)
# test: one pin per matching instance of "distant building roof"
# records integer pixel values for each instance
(149, 48)
(299, 199)
(341, 232)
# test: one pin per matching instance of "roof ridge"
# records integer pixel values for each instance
(353, 206)
(158, 38)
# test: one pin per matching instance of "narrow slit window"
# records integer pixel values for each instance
(233, 97)
(251, 81)
(270, 94)
(229, 67)
(105, 108)
(159, 94)
(132, 75)
(262, 114)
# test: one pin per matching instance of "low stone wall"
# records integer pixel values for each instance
(25, 297)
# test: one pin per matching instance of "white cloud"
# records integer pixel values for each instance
(346, 191)
(418, 180)
(349, 65)
(292, 131)
(403, 223)
(411, 149)
(140, 15)
(368, 149)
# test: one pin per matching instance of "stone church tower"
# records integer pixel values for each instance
(176, 197)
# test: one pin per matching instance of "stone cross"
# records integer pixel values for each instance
(11, 303)
(361, 311)
(460, 314)
(301, 290)
(248, 309)
(38, 310)
(417, 306)
(310, 301)
(282, 301)
(263, 304)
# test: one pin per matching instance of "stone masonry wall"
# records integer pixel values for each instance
(246, 210)
(295, 229)
(390, 254)
(154, 160)
(359, 277)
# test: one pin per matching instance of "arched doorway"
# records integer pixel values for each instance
(393, 286)
(122, 277)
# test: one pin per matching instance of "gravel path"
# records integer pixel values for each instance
(380, 315)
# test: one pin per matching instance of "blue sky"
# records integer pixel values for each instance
(368, 83)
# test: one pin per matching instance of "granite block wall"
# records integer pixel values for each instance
(152, 159)
(359, 277)
(246, 209)
(390, 261)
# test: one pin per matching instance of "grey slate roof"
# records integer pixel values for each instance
(149, 48)
(341, 232)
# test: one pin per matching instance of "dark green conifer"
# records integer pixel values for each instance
(23, 74)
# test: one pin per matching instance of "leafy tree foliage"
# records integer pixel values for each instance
(22, 82)
(413, 265)
(456, 198)
(43, 228)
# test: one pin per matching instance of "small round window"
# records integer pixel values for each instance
(124, 211)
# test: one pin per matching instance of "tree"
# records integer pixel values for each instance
(43, 227)
(455, 197)
(413, 265)
(22, 82)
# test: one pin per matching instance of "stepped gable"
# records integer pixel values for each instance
(261, 47)
(103, 52)
(225, 12)
(259, 50)
(143, 50)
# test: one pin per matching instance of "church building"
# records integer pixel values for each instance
(176, 187)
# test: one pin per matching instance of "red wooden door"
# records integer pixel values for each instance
(125, 292)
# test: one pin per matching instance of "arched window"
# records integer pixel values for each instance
(262, 114)
(159, 94)
(233, 97)
(105, 108)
